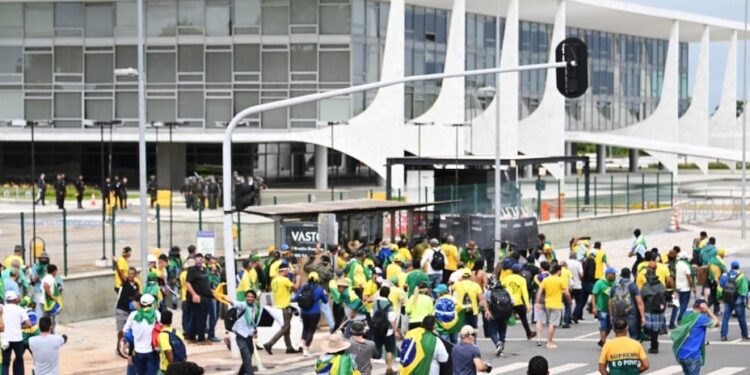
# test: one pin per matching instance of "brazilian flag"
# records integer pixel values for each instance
(449, 316)
(339, 364)
(417, 350)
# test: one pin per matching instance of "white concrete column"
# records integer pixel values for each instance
(693, 125)
(321, 167)
(725, 130)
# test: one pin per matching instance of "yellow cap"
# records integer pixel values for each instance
(313, 276)
(721, 252)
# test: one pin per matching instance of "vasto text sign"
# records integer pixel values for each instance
(301, 237)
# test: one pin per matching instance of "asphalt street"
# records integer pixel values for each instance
(578, 353)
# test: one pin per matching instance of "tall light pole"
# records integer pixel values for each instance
(457, 126)
(743, 215)
(331, 124)
(419, 126)
(142, 144)
(498, 184)
(171, 125)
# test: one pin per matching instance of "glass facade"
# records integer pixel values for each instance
(480, 54)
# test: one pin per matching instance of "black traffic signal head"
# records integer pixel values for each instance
(573, 79)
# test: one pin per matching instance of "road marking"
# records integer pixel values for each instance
(566, 367)
(586, 335)
(727, 371)
(293, 366)
(508, 368)
(667, 371)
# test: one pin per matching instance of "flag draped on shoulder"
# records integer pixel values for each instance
(448, 315)
(680, 334)
(417, 351)
(340, 364)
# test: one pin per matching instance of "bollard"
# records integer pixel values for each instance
(309, 198)
(595, 198)
(158, 226)
(341, 195)
(114, 257)
(239, 231)
(200, 217)
(274, 200)
(578, 210)
(23, 233)
(627, 193)
(611, 194)
(65, 241)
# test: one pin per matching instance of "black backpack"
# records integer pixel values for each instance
(501, 304)
(653, 295)
(231, 317)
(379, 323)
(438, 261)
(622, 301)
(589, 269)
(306, 297)
(730, 289)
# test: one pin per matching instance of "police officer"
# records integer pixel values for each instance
(213, 193)
(41, 187)
(151, 190)
(60, 191)
(123, 193)
(79, 191)
(116, 191)
(106, 188)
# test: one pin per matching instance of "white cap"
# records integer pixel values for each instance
(11, 295)
(147, 300)
(466, 331)
(151, 258)
(682, 255)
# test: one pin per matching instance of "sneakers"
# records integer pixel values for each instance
(379, 361)
(539, 343)
(214, 339)
(531, 336)
(499, 349)
(305, 354)
(724, 338)
(653, 351)
(566, 325)
(294, 351)
(267, 348)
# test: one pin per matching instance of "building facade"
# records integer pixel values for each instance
(206, 60)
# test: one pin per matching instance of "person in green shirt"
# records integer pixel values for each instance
(414, 276)
(601, 306)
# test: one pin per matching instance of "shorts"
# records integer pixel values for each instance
(605, 324)
(549, 316)
(120, 318)
(389, 342)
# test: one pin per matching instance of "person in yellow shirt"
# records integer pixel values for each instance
(419, 305)
(451, 258)
(396, 296)
(403, 250)
(622, 355)
(600, 260)
(281, 288)
(18, 256)
(121, 268)
(396, 268)
(554, 289)
(167, 353)
(469, 294)
(183, 294)
(370, 291)
(250, 279)
(662, 270)
(518, 288)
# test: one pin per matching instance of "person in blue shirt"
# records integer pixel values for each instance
(733, 301)
(311, 315)
(689, 339)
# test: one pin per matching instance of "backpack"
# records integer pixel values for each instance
(306, 297)
(622, 301)
(438, 261)
(500, 304)
(231, 317)
(589, 269)
(730, 289)
(179, 353)
(379, 323)
(653, 295)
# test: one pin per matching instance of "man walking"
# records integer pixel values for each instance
(41, 188)
(554, 290)
(433, 263)
(653, 294)
(626, 303)
(199, 295)
(80, 187)
(14, 319)
(451, 258)
(467, 360)
(171, 343)
(46, 349)
(637, 250)
(124, 193)
(60, 191)
(361, 349)
(576, 286)
(282, 289)
(622, 355)
(151, 190)
(51, 295)
(684, 285)
(245, 329)
(106, 190)
(412, 363)
(141, 323)
(600, 308)
(127, 293)
(689, 339)
(733, 291)
(518, 288)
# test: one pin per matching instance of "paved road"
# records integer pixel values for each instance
(578, 353)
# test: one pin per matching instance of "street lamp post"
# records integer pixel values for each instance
(331, 124)
(498, 199)
(171, 125)
(101, 125)
(419, 126)
(455, 174)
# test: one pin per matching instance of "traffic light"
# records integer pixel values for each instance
(572, 79)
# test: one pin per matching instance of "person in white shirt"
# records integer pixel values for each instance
(46, 349)
(435, 276)
(579, 296)
(441, 354)
(141, 323)
(49, 289)
(14, 319)
(684, 285)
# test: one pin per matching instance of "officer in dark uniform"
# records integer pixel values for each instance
(116, 192)
(213, 193)
(187, 193)
(151, 189)
(60, 191)
(124, 193)
(41, 188)
(79, 191)
(199, 194)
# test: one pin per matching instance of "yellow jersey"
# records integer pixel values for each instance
(404, 252)
(121, 266)
(518, 289)
(554, 289)
(392, 270)
(282, 292)
(468, 288)
(662, 272)
(164, 346)
(451, 256)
